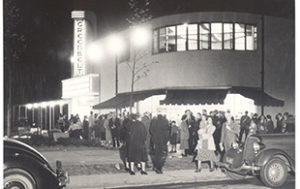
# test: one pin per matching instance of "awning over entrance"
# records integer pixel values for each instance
(195, 96)
(191, 96)
(122, 100)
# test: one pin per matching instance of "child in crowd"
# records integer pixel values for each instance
(173, 136)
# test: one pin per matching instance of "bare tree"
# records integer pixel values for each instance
(140, 13)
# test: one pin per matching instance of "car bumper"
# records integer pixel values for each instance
(62, 176)
(242, 168)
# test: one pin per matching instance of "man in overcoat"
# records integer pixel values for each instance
(159, 131)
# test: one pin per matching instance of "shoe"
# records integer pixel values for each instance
(198, 170)
(158, 171)
(131, 172)
(211, 169)
(144, 173)
(127, 169)
(183, 155)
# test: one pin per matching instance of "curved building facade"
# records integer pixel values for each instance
(211, 50)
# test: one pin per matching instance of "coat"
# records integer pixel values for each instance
(137, 143)
(206, 134)
(146, 121)
(108, 136)
(184, 135)
(159, 130)
(229, 134)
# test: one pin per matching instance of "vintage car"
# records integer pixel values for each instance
(25, 168)
(270, 157)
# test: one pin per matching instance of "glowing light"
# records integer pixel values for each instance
(44, 104)
(140, 36)
(94, 52)
(52, 103)
(29, 106)
(35, 105)
(72, 59)
(115, 44)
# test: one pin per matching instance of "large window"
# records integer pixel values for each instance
(214, 36)
(204, 36)
(251, 37)
(228, 36)
(192, 36)
(239, 36)
(181, 37)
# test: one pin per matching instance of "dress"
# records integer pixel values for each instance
(206, 145)
(173, 135)
(108, 136)
(184, 136)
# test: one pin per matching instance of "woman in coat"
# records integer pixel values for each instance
(230, 132)
(184, 136)
(137, 145)
(206, 145)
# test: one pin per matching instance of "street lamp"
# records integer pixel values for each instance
(140, 36)
(116, 46)
(94, 52)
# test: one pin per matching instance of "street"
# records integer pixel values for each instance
(251, 183)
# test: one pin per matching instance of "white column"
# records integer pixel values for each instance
(49, 117)
(25, 112)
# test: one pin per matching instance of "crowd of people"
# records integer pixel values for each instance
(205, 136)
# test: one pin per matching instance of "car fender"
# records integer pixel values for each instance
(264, 156)
(38, 170)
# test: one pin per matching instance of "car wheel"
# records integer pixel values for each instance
(235, 176)
(274, 173)
(18, 179)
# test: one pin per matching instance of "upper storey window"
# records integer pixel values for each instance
(205, 36)
(228, 36)
(181, 37)
(240, 42)
(216, 36)
(251, 37)
(192, 36)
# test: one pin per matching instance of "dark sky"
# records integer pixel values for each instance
(38, 35)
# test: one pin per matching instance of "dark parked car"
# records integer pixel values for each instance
(269, 156)
(25, 168)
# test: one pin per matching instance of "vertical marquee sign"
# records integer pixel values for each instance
(79, 47)
(84, 28)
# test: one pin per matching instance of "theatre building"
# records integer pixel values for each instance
(208, 60)
(197, 60)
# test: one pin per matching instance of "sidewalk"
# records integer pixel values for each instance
(125, 180)
(95, 161)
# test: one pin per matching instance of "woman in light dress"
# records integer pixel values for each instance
(206, 146)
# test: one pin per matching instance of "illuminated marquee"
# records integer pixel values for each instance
(79, 47)
(87, 85)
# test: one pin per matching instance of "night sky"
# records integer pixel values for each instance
(38, 35)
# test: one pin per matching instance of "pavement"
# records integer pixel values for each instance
(97, 167)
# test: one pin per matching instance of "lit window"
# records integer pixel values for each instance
(162, 40)
(228, 36)
(239, 35)
(171, 42)
(204, 36)
(216, 36)
(155, 41)
(193, 36)
(181, 37)
(251, 37)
